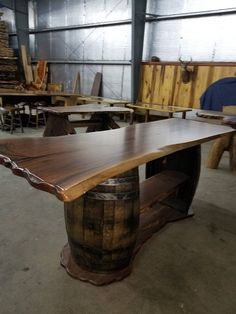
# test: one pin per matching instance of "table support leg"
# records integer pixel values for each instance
(187, 161)
(102, 228)
(105, 229)
(58, 125)
(107, 123)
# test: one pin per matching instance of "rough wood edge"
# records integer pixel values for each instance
(33, 180)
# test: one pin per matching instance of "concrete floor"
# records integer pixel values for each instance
(188, 267)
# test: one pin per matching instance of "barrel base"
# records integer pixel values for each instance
(97, 279)
(152, 219)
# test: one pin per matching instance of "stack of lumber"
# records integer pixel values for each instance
(8, 63)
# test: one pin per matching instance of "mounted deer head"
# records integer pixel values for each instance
(186, 74)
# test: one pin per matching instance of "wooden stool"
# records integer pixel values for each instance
(12, 117)
(225, 143)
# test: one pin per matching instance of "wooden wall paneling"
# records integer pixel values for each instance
(156, 84)
(146, 83)
(201, 82)
(221, 72)
(168, 76)
(182, 92)
(161, 83)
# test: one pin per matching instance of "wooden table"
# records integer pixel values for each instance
(101, 118)
(103, 100)
(170, 110)
(215, 115)
(108, 214)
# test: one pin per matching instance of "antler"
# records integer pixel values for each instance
(185, 62)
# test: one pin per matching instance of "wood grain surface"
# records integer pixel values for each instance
(161, 81)
(88, 108)
(69, 166)
(159, 107)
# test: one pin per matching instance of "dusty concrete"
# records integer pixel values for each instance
(188, 267)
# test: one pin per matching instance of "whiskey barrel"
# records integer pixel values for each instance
(102, 225)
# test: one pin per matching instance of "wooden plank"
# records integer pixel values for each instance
(27, 68)
(156, 92)
(97, 83)
(68, 166)
(146, 84)
(77, 84)
(168, 76)
(159, 187)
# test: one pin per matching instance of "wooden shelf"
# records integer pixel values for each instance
(159, 187)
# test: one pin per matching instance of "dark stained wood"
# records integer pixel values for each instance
(92, 174)
(80, 273)
(159, 187)
(58, 123)
(186, 161)
(69, 166)
(151, 221)
(102, 225)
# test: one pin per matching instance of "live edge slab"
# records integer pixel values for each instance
(58, 122)
(108, 213)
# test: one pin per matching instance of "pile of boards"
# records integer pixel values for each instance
(8, 63)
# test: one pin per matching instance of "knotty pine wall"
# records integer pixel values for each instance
(161, 82)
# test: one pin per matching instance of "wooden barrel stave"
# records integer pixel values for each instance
(102, 226)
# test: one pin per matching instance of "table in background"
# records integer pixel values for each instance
(58, 122)
(170, 110)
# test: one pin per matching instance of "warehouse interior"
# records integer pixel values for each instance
(144, 61)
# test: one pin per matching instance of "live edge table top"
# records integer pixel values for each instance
(69, 166)
(89, 108)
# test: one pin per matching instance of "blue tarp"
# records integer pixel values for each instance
(220, 93)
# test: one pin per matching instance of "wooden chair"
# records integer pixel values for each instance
(36, 115)
(11, 117)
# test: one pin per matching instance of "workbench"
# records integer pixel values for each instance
(108, 213)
